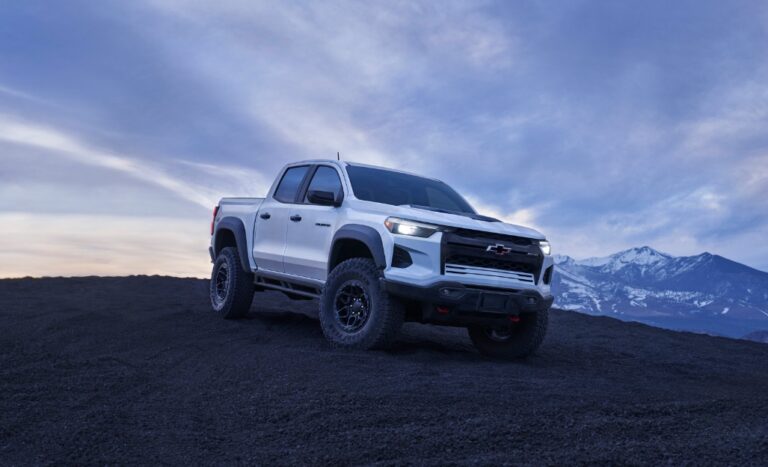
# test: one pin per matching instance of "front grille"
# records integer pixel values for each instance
(489, 263)
(466, 252)
(458, 269)
(501, 238)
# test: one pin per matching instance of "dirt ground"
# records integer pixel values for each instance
(139, 371)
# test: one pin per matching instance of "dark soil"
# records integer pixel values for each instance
(139, 371)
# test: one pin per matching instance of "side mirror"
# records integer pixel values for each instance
(323, 198)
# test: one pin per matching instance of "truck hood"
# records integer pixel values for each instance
(450, 220)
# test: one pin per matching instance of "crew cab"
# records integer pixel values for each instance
(377, 247)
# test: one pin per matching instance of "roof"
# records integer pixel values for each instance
(357, 164)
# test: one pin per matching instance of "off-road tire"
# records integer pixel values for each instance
(525, 337)
(385, 316)
(235, 302)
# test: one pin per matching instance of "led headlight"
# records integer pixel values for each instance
(412, 228)
(545, 247)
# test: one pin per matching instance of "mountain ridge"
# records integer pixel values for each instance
(702, 293)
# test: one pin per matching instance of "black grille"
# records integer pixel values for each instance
(506, 239)
(469, 248)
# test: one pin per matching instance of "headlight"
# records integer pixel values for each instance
(545, 248)
(412, 228)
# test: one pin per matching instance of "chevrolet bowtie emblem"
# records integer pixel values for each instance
(499, 249)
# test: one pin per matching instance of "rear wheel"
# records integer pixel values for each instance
(516, 340)
(355, 310)
(231, 288)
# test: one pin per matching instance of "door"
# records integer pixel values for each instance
(310, 233)
(273, 218)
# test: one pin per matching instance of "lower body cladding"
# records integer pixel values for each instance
(455, 304)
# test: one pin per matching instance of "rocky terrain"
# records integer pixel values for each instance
(138, 371)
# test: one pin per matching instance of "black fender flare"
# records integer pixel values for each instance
(234, 225)
(364, 234)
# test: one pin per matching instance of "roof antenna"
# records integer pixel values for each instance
(338, 157)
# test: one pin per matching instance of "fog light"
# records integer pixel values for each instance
(445, 291)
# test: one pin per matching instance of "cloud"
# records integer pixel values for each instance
(525, 216)
(19, 94)
(602, 125)
(735, 116)
(202, 193)
(340, 76)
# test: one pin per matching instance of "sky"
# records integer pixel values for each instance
(603, 124)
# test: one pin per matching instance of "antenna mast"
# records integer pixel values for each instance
(338, 157)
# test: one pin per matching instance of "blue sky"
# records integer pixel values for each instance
(606, 125)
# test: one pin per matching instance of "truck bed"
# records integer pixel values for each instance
(240, 207)
(252, 201)
(244, 209)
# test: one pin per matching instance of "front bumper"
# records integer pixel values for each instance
(449, 302)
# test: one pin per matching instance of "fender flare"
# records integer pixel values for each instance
(234, 225)
(368, 236)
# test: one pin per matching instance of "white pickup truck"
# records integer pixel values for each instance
(378, 247)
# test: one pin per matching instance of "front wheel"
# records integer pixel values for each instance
(231, 287)
(516, 340)
(355, 310)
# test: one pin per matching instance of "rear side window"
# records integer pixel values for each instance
(325, 179)
(289, 184)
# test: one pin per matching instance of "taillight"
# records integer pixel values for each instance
(213, 219)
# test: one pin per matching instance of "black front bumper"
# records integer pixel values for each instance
(455, 303)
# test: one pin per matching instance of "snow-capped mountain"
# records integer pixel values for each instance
(704, 293)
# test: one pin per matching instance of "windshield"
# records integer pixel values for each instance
(398, 189)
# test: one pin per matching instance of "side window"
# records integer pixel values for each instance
(289, 184)
(325, 179)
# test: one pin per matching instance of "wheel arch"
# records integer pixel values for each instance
(353, 241)
(230, 231)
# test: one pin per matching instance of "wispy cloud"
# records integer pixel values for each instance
(8, 91)
(203, 193)
(341, 76)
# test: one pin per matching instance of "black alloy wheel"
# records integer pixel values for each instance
(352, 306)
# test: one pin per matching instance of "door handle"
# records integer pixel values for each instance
(296, 218)
(265, 215)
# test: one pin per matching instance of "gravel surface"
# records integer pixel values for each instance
(137, 370)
